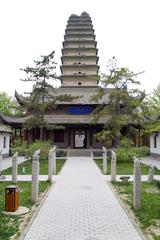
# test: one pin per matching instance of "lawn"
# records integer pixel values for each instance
(9, 225)
(149, 214)
(28, 164)
(124, 168)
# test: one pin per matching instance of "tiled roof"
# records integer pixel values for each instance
(5, 129)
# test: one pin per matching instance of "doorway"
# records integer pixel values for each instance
(80, 139)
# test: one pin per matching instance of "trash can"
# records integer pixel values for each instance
(11, 198)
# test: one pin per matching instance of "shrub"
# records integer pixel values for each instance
(127, 154)
(61, 153)
(44, 146)
(20, 147)
(98, 153)
(126, 142)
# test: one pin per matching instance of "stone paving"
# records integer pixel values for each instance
(81, 206)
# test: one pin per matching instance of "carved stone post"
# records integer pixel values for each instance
(35, 177)
(14, 167)
(1, 161)
(104, 160)
(113, 166)
(137, 184)
(54, 160)
(91, 152)
(50, 165)
(150, 174)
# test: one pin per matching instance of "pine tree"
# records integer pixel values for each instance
(123, 108)
(42, 98)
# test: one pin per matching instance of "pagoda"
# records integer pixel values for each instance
(79, 53)
(79, 77)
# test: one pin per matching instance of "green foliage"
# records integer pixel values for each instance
(7, 104)
(20, 147)
(126, 142)
(148, 215)
(43, 98)
(9, 225)
(37, 121)
(153, 101)
(61, 153)
(123, 106)
(152, 126)
(44, 146)
(127, 154)
(153, 111)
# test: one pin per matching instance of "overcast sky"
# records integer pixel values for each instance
(126, 29)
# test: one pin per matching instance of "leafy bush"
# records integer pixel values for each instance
(98, 153)
(20, 147)
(61, 153)
(126, 142)
(127, 154)
(44, 146)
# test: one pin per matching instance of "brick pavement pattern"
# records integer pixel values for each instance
(81, 206)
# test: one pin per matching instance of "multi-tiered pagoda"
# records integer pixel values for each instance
(79, 53)
(79, 76)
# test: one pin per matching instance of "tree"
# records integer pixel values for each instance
(153, 111)
(153, 101)
(7, 104)
(123, 108)
(41, 98)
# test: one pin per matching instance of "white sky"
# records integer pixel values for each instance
(126, 29)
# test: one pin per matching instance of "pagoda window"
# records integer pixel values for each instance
(79, 72)
(59, 135)
(79, 83)
(79, 63)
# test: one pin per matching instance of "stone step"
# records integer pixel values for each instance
(79, 152)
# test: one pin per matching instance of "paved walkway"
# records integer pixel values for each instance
(81, 206)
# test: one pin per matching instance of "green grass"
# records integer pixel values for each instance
(9, 224)
(124, 168)
(149, 214)
(28, 164)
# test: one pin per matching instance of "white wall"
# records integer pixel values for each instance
(5, 151)
(153, 149)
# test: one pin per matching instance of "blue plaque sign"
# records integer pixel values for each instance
(79, 110)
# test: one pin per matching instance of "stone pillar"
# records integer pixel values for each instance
(104, 160)
(113, 166)
(54, 160)
(50, 165)
(137, 184)
(35, 177)
(1, 161)
(14, 167)
(150, 174)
